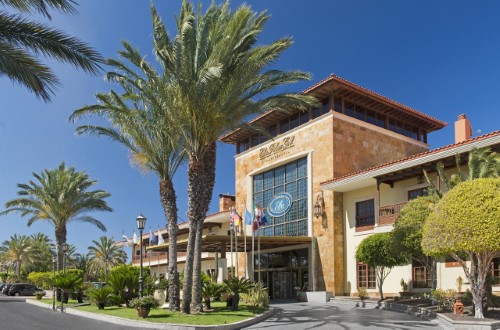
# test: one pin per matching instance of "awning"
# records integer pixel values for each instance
(220, 243)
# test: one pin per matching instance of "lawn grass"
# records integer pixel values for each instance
(220, 314)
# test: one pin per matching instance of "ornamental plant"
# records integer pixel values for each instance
(144, 303)
(467, 221)
(407, 233)
(376, 251)
(100, 296)
(237, 286)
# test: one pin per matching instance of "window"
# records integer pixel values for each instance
(294, 121)
(290, 178)
(365, 214)
(337, 104)
(421, 276)
(243, 146)
(366, 276)
(304, 117)
(414, 193)
(285, 125)
(324, 108)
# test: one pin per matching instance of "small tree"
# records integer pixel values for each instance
(467, 220)
(407, 233)
(376, 251)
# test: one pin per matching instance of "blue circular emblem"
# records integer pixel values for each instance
(280, 205)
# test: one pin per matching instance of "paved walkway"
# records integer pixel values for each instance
(300, 316)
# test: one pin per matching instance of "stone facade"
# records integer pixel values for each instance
(334, 145)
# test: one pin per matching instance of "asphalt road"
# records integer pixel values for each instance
(15, 314)
(300, 316)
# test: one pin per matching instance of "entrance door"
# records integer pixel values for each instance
(282, 285)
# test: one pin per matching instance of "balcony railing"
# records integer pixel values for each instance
(388, 214)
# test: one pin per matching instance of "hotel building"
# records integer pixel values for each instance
(347, 167)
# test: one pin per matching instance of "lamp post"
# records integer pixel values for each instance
(54, 261)
(141, 223)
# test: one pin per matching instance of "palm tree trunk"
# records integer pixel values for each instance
(201, 179)
(188, 269)
(203, 191)
(196, 306)
(169, 203)
(60, 240)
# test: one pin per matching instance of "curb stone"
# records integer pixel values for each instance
(151, 325)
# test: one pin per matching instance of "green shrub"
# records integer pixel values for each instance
(144, 303)
(444, 298)
(100, 296)
(210, 291)
(237, 286)
(40, 279)
(362, 293)
(257, 296)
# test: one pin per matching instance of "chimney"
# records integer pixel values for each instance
(463, 129)
(225, 202)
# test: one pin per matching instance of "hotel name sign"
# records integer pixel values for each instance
(277, 149)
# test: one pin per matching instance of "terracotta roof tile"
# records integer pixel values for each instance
(333, 77)
(422, 154)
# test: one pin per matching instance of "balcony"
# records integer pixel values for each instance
(388, 214)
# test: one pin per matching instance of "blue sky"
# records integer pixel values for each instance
(439, 57)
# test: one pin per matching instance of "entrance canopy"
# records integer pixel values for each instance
(222, 243)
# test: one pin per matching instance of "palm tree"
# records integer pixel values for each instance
(22, 39)
(42, 253)
(139, 123)
(59, 196)
(82, 261)
(17, 250)
(218, 78)
(105, 255)
(481, 163)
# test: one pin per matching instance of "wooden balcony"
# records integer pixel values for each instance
(388, 214)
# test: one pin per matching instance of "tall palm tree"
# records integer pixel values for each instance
(42, 253)
(17, 250)
(59, 196)
(105, 254)
(82, 262)
(481, 163)
(219, 77)
(22, 39)
(139, 122)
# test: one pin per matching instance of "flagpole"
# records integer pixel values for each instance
(244, 224)
(259, 252)
(253, 245)
(231, 235)
(158, 253)
(236, 249)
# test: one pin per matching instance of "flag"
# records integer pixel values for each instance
(134, 238)
(260, 216)
(248, 217)
(160, 238)
(127, 241)
(236, 221)
(153, 240)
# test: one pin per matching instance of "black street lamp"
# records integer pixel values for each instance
(141, 223)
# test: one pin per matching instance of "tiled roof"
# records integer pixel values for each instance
(331, 77)
(183, 224)
(422, 154)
